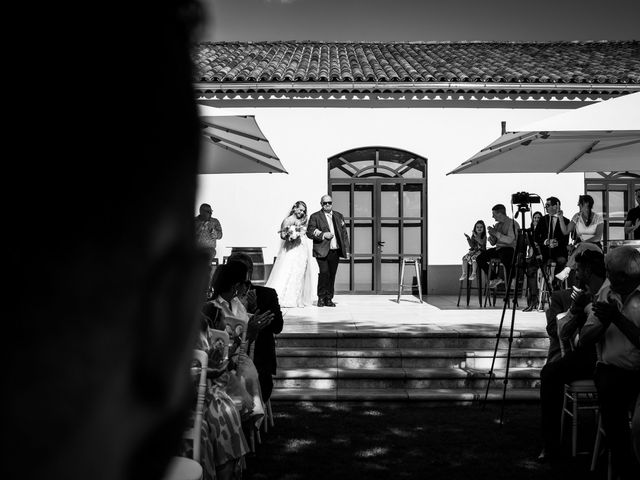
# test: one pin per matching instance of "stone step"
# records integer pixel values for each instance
(402, 378)
(434, 396)
(322, 357)
(410, 340)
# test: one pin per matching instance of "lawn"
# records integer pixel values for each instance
(406, 441)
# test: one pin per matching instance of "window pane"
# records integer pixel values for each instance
(339, 173)
(617, 203)
(412, 173)
(390, 235)
(340, 197)
(412, 200)
(363, 274)
(412, 241)
(598, 200)
(616, 233)
(363, 201)
(389, 270)
(342, 276)
(362, 241)
(390, 201)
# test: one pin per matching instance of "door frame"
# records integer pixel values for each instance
(377, 221)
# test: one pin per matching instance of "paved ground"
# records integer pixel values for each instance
(366, 313)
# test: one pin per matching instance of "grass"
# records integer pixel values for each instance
(405, 441)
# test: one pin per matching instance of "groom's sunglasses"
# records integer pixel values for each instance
(327, 203)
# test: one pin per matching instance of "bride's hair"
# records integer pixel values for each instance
(298, 204)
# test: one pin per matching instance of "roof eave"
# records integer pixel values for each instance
(409, 86)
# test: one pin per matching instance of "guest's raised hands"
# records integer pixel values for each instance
(606, 312)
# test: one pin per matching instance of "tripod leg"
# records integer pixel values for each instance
(498, 335)
(513, 317)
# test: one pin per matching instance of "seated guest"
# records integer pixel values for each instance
(632, 222)
(534, 256)
(262, 299)
(575, 364)
(552, 236)
(477, 244)
(614, 323)
(223, 443)
(502, 236)
(587, 227)
(226, 310)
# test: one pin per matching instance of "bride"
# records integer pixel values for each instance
(295, 273)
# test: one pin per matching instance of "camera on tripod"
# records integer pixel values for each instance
(524, 198)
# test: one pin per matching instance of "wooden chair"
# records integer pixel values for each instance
(268, 421)
(579, 395)
(598, 446)
(182, 468)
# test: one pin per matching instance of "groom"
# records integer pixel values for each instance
(330, 242)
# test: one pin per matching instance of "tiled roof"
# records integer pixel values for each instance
(593, 62)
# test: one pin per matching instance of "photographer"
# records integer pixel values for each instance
(614, 323)
(503, 236)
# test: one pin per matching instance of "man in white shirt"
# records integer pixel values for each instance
(502, 236)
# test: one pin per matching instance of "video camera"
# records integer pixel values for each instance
(523, 198)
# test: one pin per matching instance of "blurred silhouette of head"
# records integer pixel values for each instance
(107, 283)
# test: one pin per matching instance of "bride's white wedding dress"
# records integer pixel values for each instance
(295, 272)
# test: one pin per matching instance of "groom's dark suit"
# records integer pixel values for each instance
(327, 258)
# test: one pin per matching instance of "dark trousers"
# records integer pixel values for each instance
(576, 365)
(327, 276)
(532, 274)
(266, 384)
(505, 254)
(617, 392)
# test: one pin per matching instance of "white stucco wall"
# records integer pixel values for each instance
(251, 206)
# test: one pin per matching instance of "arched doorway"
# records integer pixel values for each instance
(382, 192)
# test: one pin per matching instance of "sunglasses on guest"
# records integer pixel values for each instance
(327, 203)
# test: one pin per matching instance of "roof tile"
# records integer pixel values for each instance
(614, 62)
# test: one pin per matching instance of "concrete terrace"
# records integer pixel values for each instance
(381, 313)
(371, 348)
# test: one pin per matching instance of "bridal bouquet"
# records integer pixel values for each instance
(292, 233)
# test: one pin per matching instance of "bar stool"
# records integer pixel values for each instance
(467, 285)
(495, 265)
(416, 263)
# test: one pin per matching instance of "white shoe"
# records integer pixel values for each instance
(495, 282)
(562, 276)
(463, 277)
(472, 277)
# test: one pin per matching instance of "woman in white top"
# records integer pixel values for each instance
(588, 227)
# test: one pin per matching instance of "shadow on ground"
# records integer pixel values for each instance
(405, 440)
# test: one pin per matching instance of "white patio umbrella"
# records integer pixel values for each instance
(235, 144)
(600, 137)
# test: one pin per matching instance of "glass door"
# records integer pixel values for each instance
(613, 197)
(386, 223)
